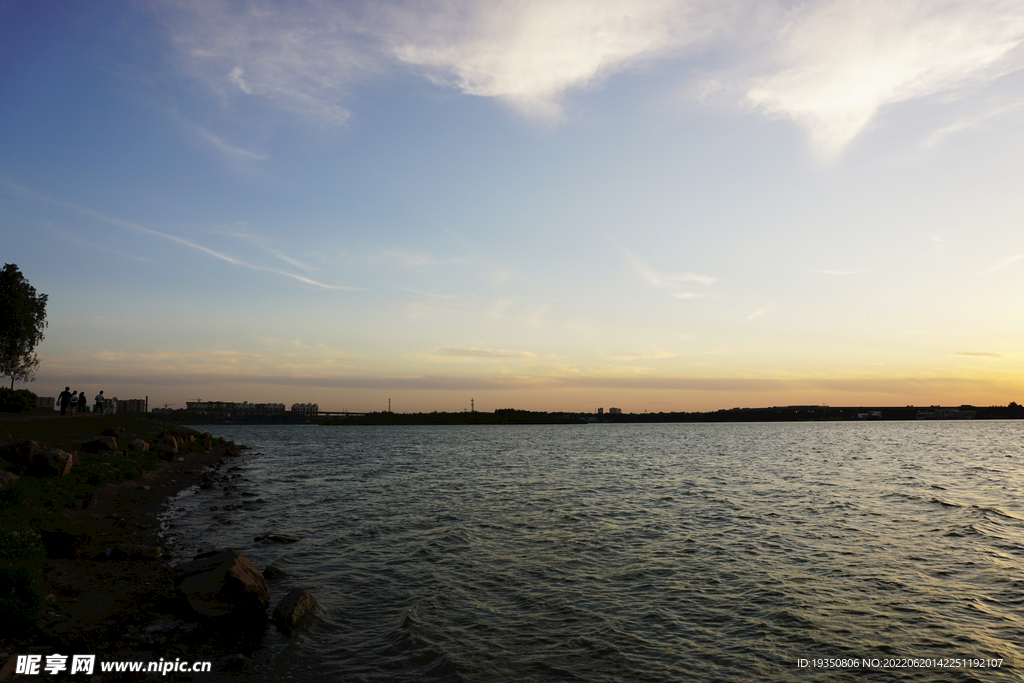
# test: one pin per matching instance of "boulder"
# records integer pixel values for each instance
(113, 431)
(291, 610)
(7, 478)
(166, 447)
(223, 583)
(63, 545)
(51, 462)
(272, 573)
(103, 443)
(138, 445)
(19, 453)
(231, 449)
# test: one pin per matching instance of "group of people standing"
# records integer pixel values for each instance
(72, 401)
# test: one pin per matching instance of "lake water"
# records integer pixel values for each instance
(704, 552)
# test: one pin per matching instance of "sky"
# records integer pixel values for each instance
(656, 205)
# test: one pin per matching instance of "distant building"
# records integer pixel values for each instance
(306, 408)
(232, 409)
(600, 411)
(132, 405)
(615, 411)
(939, 413)
(46, 402)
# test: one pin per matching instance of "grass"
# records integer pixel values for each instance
(33, 503)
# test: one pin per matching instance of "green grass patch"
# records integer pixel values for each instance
(21, 598)
(35, 502)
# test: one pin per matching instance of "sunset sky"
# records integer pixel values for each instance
(542, 204)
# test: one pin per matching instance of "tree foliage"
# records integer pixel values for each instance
(22, 319)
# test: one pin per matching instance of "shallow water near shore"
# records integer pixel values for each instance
(629, 552)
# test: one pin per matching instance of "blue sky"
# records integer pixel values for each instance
(558, 205)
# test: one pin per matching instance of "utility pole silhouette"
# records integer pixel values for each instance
(471, 408)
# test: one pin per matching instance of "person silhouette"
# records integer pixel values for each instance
(64, 400)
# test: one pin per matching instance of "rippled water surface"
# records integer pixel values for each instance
(630, 552)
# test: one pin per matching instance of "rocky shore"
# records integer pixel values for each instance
(109, 589)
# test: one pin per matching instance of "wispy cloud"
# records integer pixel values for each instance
(229, 150)
(1002, 263)
(135, 227)
(666, 280)
(264, 244)
(838, 273)
(838, 62)
(969, 122)
(641, 355)
(757, 314)
(473, 352)
(978, 354)
(301, 57)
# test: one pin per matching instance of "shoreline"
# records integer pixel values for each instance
(117, 598)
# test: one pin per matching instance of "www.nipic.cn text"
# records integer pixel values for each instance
(86, 665)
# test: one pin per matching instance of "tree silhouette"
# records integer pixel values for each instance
(22, 319)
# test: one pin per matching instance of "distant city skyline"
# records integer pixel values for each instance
(676, 205)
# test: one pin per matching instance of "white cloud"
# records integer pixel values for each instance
(839, 62)
(529, 52)
(829, 65)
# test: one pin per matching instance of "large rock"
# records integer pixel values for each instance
(7, 478)
(166, 447)
(113, 431)
(138, 445)
(223, 583)
(19, 453)
(291, 610)
(51, 462)
(62, 544)
(103, 443)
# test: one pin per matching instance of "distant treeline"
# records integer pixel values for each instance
(779, 414)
